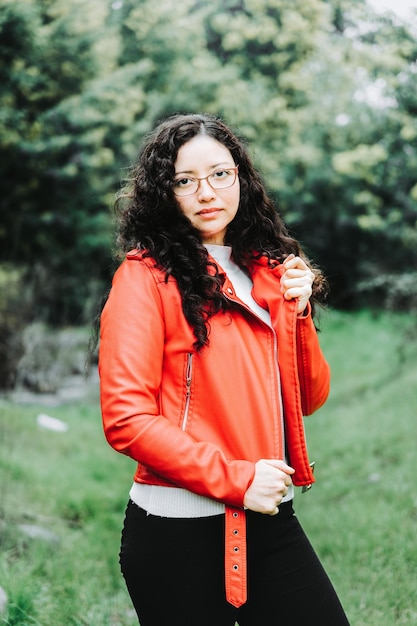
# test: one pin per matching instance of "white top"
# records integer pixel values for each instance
(174, 501)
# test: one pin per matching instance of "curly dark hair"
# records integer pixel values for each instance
(150, 220)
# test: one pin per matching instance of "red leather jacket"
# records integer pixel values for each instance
(201, 420)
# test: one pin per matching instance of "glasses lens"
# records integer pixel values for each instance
(185, 186)
(220, 179)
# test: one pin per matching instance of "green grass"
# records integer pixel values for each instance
(361, 515)
(74, 485)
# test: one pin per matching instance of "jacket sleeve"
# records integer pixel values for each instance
(131, 356)
(313, 369)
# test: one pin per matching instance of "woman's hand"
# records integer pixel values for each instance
(297, 281)
(269, 486)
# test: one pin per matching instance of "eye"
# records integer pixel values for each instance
(183, 183)
(219, 174)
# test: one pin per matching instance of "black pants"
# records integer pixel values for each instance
(174, 571)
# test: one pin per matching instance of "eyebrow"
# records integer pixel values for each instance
(212, 167)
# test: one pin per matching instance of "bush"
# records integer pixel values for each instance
(50, 357)
(396, 292)
(14, 312)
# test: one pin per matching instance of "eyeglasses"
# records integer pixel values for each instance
(219, 179)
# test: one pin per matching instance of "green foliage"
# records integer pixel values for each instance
(50, 357)
(349, 178)
(325, 92)
(50, 52)
(14, 315)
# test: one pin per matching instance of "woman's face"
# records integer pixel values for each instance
(209, 210)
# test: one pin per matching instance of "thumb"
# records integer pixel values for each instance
(281, 465)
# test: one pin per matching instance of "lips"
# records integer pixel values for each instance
(211, 211)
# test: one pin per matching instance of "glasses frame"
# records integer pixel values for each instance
(198, 181)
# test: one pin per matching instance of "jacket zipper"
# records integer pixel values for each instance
(281, 406)
(188, 379)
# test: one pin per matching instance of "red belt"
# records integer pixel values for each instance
(235, 556)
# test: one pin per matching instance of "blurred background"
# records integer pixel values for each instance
(325, 92)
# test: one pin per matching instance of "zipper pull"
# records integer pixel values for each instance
(308, 487)
(188, 377)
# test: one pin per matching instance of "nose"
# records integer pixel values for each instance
(205, 191)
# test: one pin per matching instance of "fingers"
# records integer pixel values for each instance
(295, 262)
(297, 281)
(297, 287)
(296, 267)
(269, 486)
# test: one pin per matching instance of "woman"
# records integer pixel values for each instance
(208, 360)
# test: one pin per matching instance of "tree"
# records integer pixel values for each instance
(324, 91)
(356, 206)
(49, 50)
